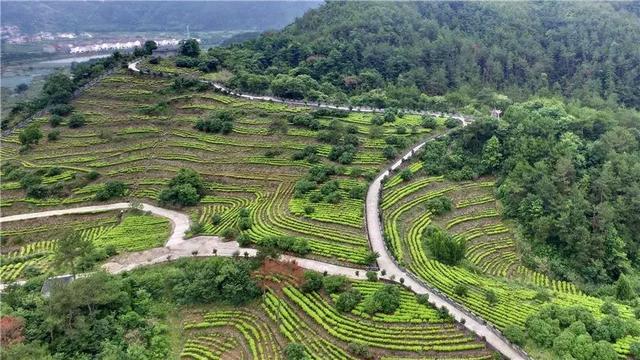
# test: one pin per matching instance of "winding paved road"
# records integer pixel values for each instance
(178, 246)
(393, 270)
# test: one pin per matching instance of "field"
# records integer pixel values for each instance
(492, 261)
(286, 315)
(250, 168)
(29, 245)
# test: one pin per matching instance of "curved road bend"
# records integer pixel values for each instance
(177, 245)
(386, 262)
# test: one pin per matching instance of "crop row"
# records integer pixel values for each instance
(491, 213)
(398, 194)
(406, 338)
(296, 330)
(544, 281)
(348, 212)
(135, 233)
(392, 219)
(397, 179)
(511, 307)
(494, 256)
(257, 334)
(208, 347)
(479, 200)
(409, 311)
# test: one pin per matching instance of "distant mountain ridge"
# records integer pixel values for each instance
(71, 16)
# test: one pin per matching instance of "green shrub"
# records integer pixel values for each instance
(312, 282)
(185, 189)
(196, 228)
(422, 299)
(451, 123)
(286, 243)
(329, 187)
(334, 283)
(358, 192)
(491, 297)
(295, 351)
(229, 234)
(61, 109)
(55, 120)
(429, 122)
(30, 179)
(244, 223)
(348, 300)
(461, 290)
(439, 205)
(515, 334)
(77, 121)
(406, 175)
(634, 349)
(30, 135)
(443, 246)
(372, 276)
(244, 240)
(110, 190)
(217, 122)
(371, 257)
(389, 152)
(92, 175)
(216, 219)
(624, 289)
(609, 309)
(53, 171)
(53, 135)
(359, 350)
(385, 300)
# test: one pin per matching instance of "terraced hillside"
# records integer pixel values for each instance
(287, 315)
(29, 245)
(140, 131)
(497, 286)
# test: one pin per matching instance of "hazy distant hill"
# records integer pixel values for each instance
(34, 16)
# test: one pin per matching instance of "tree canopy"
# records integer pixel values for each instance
(410, 54)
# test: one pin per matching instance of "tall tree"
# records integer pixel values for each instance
(70, 249)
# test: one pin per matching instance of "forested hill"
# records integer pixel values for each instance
(390, 53)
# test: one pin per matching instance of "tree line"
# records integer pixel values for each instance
(570, 177)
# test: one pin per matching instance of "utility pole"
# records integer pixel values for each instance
(188, 33)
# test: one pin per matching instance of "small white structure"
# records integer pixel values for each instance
(496, 113)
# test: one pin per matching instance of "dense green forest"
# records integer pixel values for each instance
(569, 175)
(118, 316)
(410, 54)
